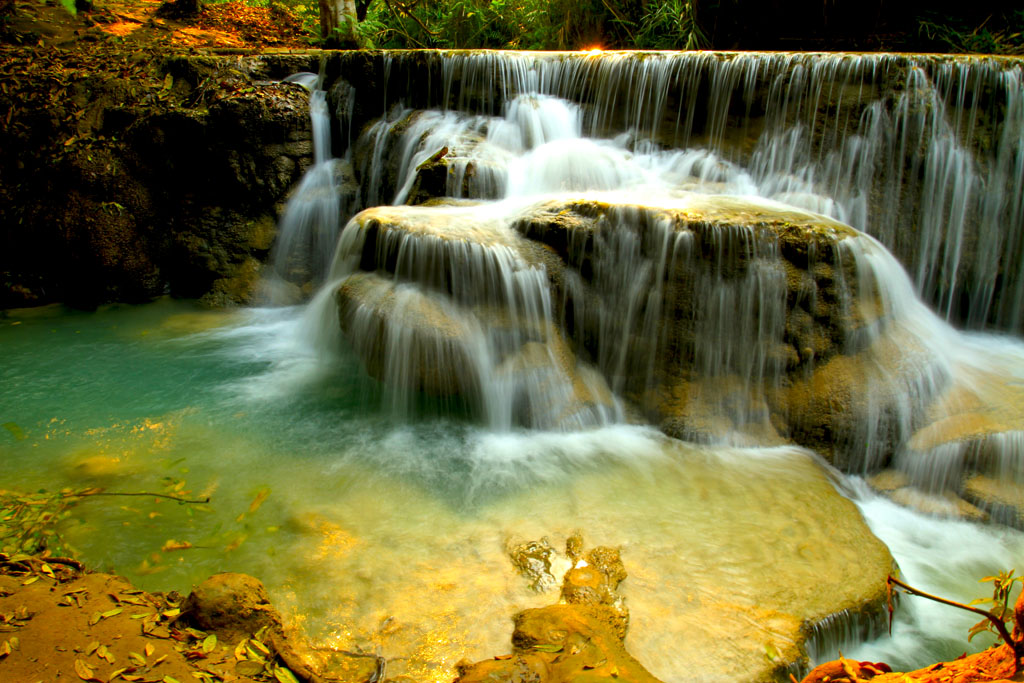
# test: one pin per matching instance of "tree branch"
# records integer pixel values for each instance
(1017, 647)
(85, 494)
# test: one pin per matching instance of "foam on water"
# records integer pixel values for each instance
(534, 128)
(386, 510)
(944, 557)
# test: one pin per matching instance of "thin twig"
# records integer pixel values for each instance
(409, 13)
(200, 501)
(67, 561)
(996, 621)
(398, 28)
(404, 10)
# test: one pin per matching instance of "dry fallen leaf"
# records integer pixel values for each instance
(85, 671)
(248, 667)
(172, 545)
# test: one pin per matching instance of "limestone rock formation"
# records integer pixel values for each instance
(716, 317)
(580, 639)
(713, 315)
(170, 185)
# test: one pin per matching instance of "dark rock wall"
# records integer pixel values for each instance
(176, 194)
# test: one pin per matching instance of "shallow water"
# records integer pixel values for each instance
(391, 537)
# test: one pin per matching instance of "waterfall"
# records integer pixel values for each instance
(314, 215)
(922, 152)
(729, 314)
(670, 229)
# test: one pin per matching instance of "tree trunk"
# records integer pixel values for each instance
(338, 24)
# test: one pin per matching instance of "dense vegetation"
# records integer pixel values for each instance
(911, 25)
(860, 25)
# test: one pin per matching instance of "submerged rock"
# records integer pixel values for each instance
(580, 640)
(533, 560)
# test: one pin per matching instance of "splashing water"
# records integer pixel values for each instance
(577, 130)
(386, 526)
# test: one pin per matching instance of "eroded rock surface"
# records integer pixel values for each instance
(580, 639)
(713, 315)
(144, 174)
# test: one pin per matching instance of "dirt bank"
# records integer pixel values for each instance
(138, 159)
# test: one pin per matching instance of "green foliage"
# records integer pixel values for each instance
(515, 24)
(956, 37)
(1001, 607)
(29, 523)
(671, 25)
(532, 24)
(611, 24)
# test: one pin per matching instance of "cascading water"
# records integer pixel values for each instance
(922, 152)
(580, 247)
(315, 213)
(642, 249)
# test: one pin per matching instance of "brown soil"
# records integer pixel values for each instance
(61, 622)
(223, 25)
(58, 622)
(991, 666)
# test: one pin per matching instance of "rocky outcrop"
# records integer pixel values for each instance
(713, 315)
(440, 321)
(583, 635)
(718, 318)
(579, 639)
(163, 175)
(722, 304)
(966, 457)
(234, 606)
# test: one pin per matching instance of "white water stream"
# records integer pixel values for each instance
(390, 511)
(545, 144)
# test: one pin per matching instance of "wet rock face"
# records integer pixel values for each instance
(778, 275)
(579, 640)
(713, 317)
(178, 194)
(711, 314)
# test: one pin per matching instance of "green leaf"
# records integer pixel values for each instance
(548, 647)
(980, 627)
(248, 667)
(284, 675)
